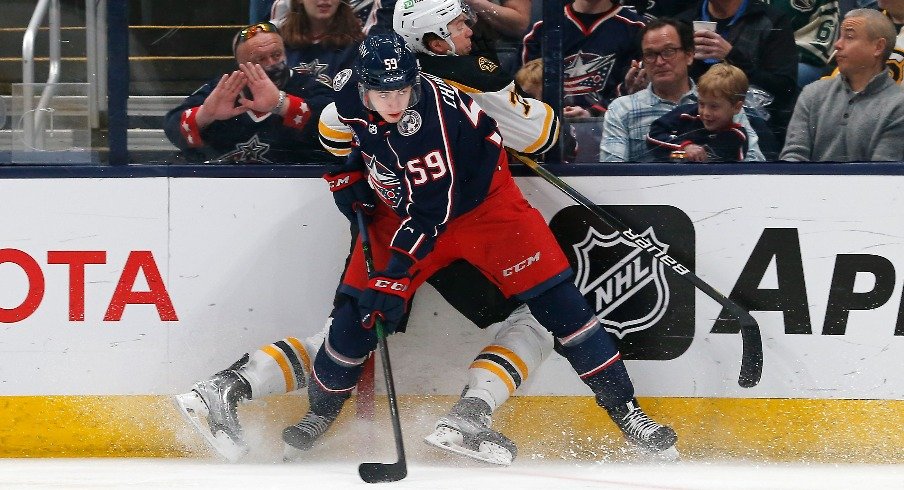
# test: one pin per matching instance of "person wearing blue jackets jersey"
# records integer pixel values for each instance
(259, 113)
(599, 41)
(435, 164)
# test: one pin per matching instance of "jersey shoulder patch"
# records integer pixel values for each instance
(477, 73)
(341, 79)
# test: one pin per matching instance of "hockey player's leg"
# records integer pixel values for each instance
(337, 367)
(594, 356)
(211, 405)
(520, 346)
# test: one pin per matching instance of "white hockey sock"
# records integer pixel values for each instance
(520, 346)
(277, 368)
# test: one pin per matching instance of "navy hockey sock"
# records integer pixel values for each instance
(584, 342)
(339, 361)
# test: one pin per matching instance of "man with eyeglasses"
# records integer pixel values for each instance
(668, 50)
(258, 113)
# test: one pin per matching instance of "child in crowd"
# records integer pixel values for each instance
(705, 131)
(530, 78)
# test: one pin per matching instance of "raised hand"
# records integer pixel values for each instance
(265, 93)
(220, 104)
(636, 78)
(710, 45)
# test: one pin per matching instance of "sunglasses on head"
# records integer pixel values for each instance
(253, 30)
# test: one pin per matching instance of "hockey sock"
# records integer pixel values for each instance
(584, 342)
(520, 346)
(324, 403)
(339, 362)
(277, 368)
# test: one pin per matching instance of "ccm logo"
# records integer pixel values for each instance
(391, 285)
(340, 182)
(520, 266)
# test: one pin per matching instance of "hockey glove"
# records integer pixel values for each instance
(385, 298)
(350, 191)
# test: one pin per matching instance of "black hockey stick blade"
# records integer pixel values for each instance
(383, 472)
(751, 339)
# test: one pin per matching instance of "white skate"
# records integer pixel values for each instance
(466, 431)
(211, 409)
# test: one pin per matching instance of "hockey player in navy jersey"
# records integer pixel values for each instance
(436, 163)
(599, 41)
(258, 113)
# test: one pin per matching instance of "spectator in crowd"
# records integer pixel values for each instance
(705, 131)
(653, 9)
(509, 18)
(259, 113)
(259, 11)
(322, 38)
(859, 115)
(757, 39)
(815, 25)
(668, 51)
(599, 41)
(363, 10)
(894, 9)
(530, 78)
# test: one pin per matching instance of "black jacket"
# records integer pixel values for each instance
(763, 47)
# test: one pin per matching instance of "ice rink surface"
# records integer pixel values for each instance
(192, 473)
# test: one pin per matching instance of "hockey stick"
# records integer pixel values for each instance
(382, 472)
(751, 341)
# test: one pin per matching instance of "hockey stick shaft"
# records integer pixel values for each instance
(382, 472)
(751, 341)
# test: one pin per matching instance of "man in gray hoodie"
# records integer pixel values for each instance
(859, 115)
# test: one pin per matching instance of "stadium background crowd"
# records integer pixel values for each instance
(628, 64)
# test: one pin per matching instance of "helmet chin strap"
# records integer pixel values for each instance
(451, 47)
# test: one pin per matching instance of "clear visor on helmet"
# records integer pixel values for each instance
(414, 91)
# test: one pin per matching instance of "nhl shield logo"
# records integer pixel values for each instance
(612, 271)
(647, 307)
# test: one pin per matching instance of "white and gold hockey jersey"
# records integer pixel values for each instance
(527, 125)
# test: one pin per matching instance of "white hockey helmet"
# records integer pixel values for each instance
(415, 18)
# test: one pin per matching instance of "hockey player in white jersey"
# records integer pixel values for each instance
(438, 31)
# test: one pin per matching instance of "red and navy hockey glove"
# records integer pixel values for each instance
(385, 298)
(350, 191)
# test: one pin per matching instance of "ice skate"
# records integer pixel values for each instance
(644, 433)
(466, 431)
(300, 437)
(211, 408)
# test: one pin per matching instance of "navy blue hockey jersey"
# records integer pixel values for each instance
(682, 126)
(251, 137)
(597, 55)
(432, 166)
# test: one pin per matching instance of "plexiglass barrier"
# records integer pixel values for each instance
(49, 124)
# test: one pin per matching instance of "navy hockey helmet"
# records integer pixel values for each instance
(385, 63)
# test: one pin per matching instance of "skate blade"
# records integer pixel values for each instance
(449, 439)
(193, 408)
(669, 455)
(292, 453)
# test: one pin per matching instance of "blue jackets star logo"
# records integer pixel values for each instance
(251, 151)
